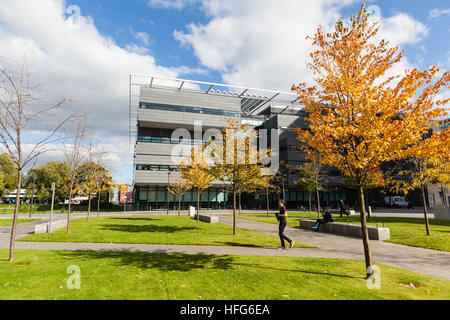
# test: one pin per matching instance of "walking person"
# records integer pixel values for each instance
(282, 218)
(342, 208)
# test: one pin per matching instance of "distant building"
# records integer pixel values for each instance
(11, 197)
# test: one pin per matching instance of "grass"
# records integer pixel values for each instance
(8, 222)
(170, 230)
(406, 231)
(37, 275)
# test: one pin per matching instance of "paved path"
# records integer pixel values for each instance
(427, 261)
(431, 262)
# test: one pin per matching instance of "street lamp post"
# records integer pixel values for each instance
(49, 230)
(32, 194)
(167, 194)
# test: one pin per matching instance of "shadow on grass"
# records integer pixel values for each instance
(160, 261)
(301, 271)
(180, 262)
(135, 218)
(145, 228)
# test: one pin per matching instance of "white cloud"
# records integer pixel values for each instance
(436, 13)
(143, 37)
(171, 4)
(134, 48)
(402, 29)
(263, 43)
(69, 57)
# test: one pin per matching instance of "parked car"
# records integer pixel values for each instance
(396, 202)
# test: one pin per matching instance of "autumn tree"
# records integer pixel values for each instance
(236, 159)
(358, 115)
(178, 187)
(429, 163)
(91, 178)
(22, 113)
(197, 172)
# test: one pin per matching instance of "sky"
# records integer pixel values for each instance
(84, 50)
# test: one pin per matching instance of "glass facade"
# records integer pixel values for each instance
(167, 107)
(155, 198)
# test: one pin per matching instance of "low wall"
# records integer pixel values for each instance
(208, 219)
(44, 227)
(441, 212)
(347, 229)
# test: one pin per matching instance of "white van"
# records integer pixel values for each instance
(396, 201)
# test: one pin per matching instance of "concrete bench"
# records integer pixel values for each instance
(44, 227)
(337, 211)
(347, 229)
(208, 219)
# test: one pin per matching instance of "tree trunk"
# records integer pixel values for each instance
(70, 204)
(234, 212)
(98, 203)
(267, 201)
(425, 211)
(198, 205)
(318, 202)
(16, 211)
(179, 205)
(89, 207)
(365, 234)
(309, 199)
(240, 195)
(366, 203)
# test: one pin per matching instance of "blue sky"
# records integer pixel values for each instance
(255, 43)
(116, 19)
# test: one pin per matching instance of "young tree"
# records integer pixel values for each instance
(21, 112)
(429, 164)
(90, 178)
(178, 187)
(236, 160)
(74, 150)
(197, 172)
(312, 179)
(359, 117)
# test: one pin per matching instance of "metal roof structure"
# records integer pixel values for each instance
(253, 100)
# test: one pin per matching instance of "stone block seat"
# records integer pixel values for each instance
(44, 227)
(343, 229)
(208, 219)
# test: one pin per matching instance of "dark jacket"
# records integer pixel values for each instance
(328, 217)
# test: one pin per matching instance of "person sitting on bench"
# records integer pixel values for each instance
(327, 217)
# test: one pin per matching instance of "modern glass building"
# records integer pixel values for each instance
(158, 106)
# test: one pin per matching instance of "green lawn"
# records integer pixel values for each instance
(157, 230)
(407, 231)
(8, 222)
(119, 275)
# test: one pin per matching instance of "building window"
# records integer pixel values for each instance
(157, 106)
